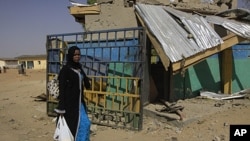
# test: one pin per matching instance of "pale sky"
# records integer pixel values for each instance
(24, 25)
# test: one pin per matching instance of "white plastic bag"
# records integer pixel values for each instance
(62, 132)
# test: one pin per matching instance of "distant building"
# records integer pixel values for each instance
(8, 62)
(32, 61)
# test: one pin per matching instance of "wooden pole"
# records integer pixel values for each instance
(226, 75)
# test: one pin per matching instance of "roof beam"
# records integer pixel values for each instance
(229, 40)
(164, 58)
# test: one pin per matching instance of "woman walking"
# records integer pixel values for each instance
(72, 81)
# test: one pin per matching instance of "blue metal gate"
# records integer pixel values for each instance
(114, 60)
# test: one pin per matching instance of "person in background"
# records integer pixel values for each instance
(72, 80)
(4, 69)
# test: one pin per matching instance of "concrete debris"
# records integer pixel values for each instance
(216, 96)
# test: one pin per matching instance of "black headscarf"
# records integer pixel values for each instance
(76, 65)
(70, 63)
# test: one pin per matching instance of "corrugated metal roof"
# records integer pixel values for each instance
(241, 29)
(180, 34)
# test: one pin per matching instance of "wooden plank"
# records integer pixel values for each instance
(164, 58)
(229, 41)
(137, 105)
(84, 10)
(227, 68)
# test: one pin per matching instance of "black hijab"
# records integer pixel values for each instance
(70, 63)
(76, 65)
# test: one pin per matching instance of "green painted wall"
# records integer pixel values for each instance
(206, 75)
(241, 69)
(118, 85)
(202, 76)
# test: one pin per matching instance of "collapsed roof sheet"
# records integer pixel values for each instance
(239, 13)
(241, 29)
(174, 38)
(180, 34)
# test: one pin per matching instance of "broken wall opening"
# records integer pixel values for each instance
(204, 76)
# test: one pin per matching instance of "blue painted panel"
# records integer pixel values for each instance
(54, 67)
(241, 51)
(94, 68)
(114, 50)
(53, 60)
(53, 55)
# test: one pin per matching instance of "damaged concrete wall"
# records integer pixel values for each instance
(114, 14)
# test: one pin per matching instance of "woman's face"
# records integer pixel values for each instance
(77, 56)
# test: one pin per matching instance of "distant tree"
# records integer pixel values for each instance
(91, 1)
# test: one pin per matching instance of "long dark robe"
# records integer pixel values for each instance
(70, 96)
(71, 91)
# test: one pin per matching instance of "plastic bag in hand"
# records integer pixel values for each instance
(62, 132)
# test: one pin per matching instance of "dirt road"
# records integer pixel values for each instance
(24, 119)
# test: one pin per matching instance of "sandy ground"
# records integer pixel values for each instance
(24, 119)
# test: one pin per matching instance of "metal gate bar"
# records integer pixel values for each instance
(113, 59)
